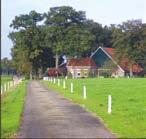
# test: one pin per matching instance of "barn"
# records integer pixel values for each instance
(103, 55)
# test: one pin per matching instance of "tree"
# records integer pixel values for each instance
(28, 38)
(129, 41)
(96, 30)
(79, 41)
(103, 35)
(6, 66)
(107, 36)
(60, 21)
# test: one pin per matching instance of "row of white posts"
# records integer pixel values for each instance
(8, 85)
(54, 80)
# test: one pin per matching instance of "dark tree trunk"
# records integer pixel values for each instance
(30, 75)
(131, 71)
(57, 60)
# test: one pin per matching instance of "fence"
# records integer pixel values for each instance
(8, 85)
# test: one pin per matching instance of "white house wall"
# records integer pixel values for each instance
(118, 73)
(76, 71)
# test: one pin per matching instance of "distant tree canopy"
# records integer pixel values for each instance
(39, 39)
(129, 39)
(7, 66)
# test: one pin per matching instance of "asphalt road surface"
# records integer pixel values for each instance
(47, 114)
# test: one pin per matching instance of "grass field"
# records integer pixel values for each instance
(128, 118)
(11, 109)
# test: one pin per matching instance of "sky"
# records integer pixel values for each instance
(105, 12)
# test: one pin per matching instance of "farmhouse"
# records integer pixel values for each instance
(103, 55)
(102, 62)
(81, 67)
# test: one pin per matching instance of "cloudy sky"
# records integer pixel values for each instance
(105, 12)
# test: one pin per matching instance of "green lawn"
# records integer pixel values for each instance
(128, 118)
(11, 109)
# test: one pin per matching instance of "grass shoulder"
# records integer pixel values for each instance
(12, 104)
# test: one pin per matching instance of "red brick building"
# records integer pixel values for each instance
(81, 67)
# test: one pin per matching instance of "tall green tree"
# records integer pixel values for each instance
(62, 23)
(129, 39)
(95, 29)
(28, 37)
(79, 41)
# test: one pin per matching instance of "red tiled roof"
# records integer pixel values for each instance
(135, 67)
(125, 62)
(82, 62)
(110, 51)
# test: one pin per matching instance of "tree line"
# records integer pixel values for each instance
(39, 39)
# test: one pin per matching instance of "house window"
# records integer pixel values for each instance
(79, 73)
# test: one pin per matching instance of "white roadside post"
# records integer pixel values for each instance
(5, 86)
(109, 104)
(58, 82)
(64, 84)
(71, 87)
(84, 92)
(54, 80)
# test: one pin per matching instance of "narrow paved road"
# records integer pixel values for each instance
(47, 114)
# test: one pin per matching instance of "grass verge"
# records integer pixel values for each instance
(12, 104)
